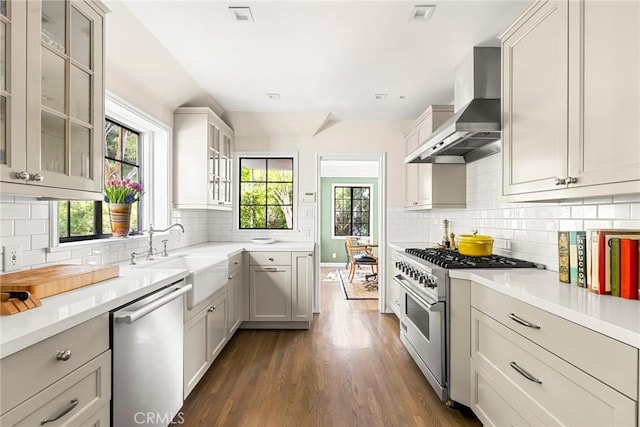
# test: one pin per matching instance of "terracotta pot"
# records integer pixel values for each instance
(475, 245)
(120, 217)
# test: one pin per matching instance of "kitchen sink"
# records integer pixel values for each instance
(207, 274)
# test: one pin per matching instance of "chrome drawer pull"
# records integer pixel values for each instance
(271, 269)
(524, 373)
(523, 322)
(61, 413)
(63, 355)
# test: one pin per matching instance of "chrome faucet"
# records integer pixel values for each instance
(151, 230)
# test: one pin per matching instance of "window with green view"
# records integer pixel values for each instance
(86, 220)
(351, 211)
(266, 193)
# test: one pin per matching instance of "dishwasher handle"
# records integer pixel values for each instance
(129, 317)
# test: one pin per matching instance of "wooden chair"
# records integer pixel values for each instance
(358, 255)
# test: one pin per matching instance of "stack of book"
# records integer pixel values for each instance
(604, 261)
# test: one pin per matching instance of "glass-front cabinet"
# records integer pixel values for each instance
(219, 166)
(63, 144)
(202, 160)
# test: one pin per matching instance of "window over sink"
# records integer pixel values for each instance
(87, 220)
(137, 147)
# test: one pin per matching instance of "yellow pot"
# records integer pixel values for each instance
(475, 245)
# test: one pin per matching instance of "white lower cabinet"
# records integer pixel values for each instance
(217, 333)
(270, 291)
(64, 380)
(234, 293)
(301, 286)
(205, 334)
(393, 288)
(195, 351)
(280, 287)
(494, 405)
(525, 375)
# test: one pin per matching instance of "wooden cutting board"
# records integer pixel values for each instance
(54, 279)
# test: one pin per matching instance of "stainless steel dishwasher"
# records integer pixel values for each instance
(147, 349)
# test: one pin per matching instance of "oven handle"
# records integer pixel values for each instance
(435, 307)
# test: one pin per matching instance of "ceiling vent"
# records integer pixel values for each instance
(422, 13)
(241, 14)
(273, 96)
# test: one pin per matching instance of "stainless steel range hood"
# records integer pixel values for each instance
(473, 131)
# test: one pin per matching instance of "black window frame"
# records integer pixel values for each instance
(99, 205)
(351, 188)
(266, 182)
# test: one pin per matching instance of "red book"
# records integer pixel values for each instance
(600, 282)
(629, 268)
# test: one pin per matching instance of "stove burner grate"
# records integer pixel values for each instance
(450, 259)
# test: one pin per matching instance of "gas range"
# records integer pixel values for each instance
(427, 270)
(425, 306)
(449, 259)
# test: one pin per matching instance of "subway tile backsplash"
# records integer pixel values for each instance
(529, 230)
(25, 221)
(522, 230)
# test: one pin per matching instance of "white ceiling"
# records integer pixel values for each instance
(325, 56)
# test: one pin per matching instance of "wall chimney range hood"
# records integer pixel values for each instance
(473, 131)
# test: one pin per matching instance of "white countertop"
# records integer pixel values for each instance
(615, 317)
(68, 309)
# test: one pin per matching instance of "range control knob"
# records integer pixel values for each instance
(432, 281)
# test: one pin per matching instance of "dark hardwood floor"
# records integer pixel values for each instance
(349, 369)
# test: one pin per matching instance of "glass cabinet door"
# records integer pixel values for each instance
(13, 27)
(227, 174)
(70, 108)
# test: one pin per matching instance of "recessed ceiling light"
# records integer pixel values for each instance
(422, 12)
(241, 14)
(273, 96)
(380, 96)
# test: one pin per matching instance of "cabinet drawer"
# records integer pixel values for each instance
(493, 405)
(82, 393)
(235, 262)
(270, 258)
(30, 370)
(555, 392)
(588, 350)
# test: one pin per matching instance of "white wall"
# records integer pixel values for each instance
(365, 136)
(141, 71)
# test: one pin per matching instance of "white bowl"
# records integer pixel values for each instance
(263, 240)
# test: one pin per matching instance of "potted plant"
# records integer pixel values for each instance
(120, 194)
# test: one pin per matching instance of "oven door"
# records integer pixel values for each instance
(422, 331)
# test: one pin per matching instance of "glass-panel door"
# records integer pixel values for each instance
(216, 164)
(66, 90)
(13, 26)
(5, 24)
(70, 103)
(227, 173)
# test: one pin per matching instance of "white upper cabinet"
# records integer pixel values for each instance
(203, 150)
(52, 104)
(432, 185)
(571, 100)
